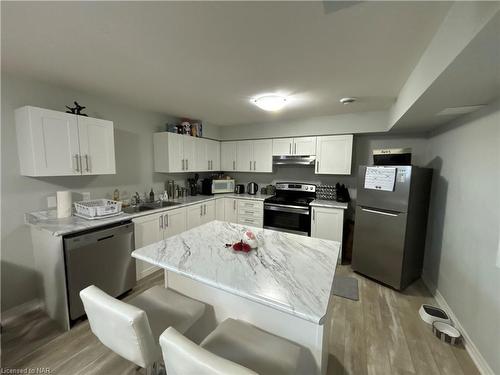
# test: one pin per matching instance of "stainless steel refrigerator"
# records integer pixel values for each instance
(390, 224)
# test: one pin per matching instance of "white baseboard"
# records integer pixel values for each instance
(471, 348)
(20, 309)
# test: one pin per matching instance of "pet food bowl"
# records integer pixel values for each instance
(431, 314)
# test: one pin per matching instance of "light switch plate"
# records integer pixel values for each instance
(51, 201)
(86, 196)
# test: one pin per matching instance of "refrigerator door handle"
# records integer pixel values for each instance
(379, 212)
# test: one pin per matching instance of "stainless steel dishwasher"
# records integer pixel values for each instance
(100, 257)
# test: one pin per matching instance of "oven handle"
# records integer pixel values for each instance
(287, 230)
(286, 208)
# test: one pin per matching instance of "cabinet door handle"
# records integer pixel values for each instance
(165, 220)
(234, 165)
(80, 162)
(290, 152)
(201, 210)
(187, 164)
(76, 163)
(314, 215)
(87, 168)
(182, 162)
(250, 165)
(317, 165)
(208, 163)
(295, 149)
(160, 219)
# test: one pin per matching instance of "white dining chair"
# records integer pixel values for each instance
(235, 347)
(132, 329)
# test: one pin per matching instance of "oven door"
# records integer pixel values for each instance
(285, 218)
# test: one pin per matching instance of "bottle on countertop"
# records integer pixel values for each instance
(151, 196)
(116, 195)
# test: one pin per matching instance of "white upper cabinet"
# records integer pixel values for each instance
(183, 153)
(254, 156)
(282, 146)
(174, 153)
(201, 151)
(97, 146)
(213, 155)
(304, 146)
(53, 143)
(334, 154)
(294, 146)
(228, 156)
(244, 156)
(263, 155)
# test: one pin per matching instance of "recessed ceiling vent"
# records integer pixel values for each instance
(455, 111)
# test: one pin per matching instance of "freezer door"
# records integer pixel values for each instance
(378, 247)
(396, 200)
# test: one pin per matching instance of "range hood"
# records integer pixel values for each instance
(307, 160)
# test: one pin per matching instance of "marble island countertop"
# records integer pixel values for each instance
(277, 274)
(47, 219)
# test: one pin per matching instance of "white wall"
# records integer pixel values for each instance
(463, 233)
(134, 167)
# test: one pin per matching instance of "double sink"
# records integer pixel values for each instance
(141, 207)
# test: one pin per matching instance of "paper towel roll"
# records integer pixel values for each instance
(63, 204)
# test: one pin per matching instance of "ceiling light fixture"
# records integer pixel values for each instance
(270, 102)
(346, 101)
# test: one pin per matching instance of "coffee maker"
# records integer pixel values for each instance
(193, 185)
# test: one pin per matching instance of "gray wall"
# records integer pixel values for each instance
(463, 235)
(134, 167)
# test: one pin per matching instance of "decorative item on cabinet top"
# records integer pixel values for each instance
(187, 126)
(77, 110)
(54, 143)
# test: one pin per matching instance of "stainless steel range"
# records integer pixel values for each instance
(289, 210)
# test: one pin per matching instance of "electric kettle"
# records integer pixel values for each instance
(252, 188)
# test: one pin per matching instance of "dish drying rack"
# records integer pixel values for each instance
(98, 209)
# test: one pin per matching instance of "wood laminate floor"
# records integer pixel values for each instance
(379, 334)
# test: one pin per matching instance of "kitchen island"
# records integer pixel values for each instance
(284, 286)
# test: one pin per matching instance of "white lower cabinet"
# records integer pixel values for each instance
(154, 228)
(219, 209)
(328, 224)
(201, 213)
(231, 210)
(250, 213)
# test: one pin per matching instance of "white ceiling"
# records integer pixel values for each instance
(472, 79)
(205, 60)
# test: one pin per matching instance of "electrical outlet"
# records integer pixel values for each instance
(51, 201)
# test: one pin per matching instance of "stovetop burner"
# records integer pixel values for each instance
(289, 201)
(293, 194)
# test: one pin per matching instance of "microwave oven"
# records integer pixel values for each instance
(222, 186)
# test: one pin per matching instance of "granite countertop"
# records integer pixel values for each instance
(47, 219)
(277, 274)
(329, 204)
